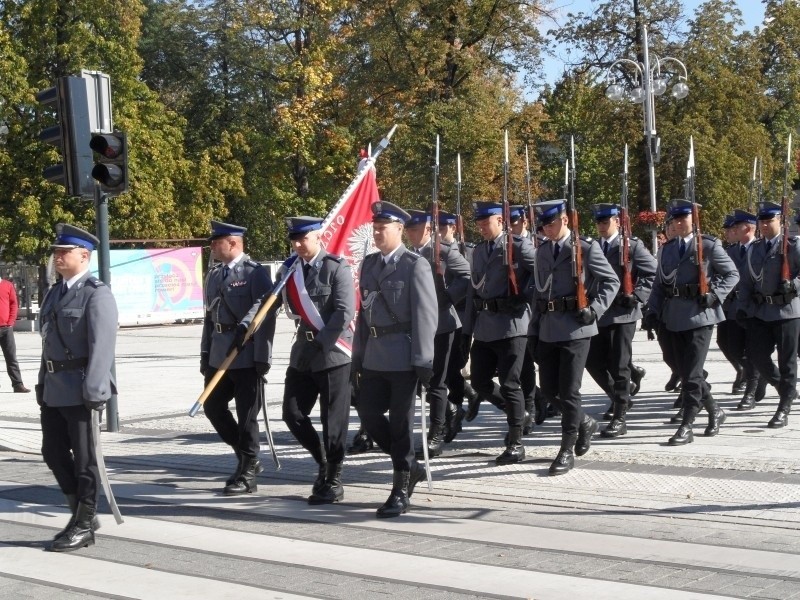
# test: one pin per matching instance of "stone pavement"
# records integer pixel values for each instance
(721, 515)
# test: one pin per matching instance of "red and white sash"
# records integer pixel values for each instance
(305, 308)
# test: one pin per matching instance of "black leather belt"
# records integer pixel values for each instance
(376, 331)
(564, 304)
(776, 299)
(225, 327)
(688, 290)
(498, 305)
(54, 366)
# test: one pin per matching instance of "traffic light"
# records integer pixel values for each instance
(71, 135)
(111, 168)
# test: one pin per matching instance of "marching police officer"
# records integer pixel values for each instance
(497, 318)
(689, 317)
(451, 280)
(609, 360)
(320, 293)
(564, 331)
(393, 348)
(770, 307)
(232, 287)
(78, 326)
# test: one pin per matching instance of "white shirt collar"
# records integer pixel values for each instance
(72, 280)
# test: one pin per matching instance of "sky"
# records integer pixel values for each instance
(752, 14)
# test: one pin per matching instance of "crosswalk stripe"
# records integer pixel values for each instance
(409, 569)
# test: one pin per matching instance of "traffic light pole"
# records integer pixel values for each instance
(104, 266)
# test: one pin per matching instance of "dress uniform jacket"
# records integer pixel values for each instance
(330, 288)
(761, 276)
(227, 301)
(456, 282)
(80, 325)
(401, 295)
(490, 283)
(731, 304)
(643, 272)
(675, 272)
(554, 281)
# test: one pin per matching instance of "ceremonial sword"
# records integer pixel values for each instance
(101, 467)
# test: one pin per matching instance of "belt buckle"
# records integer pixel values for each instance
(309, 336)
(769, 300)
(373, 332)
(49, 364)
(551, 305)
(675, 292)
(218, 327)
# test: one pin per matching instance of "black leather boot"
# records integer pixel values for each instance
(361, 442)
(319, 482)
(515, 451)
(527, 421)
(398, 501)
(246, 481)
(781, 417)
(454, 415)
(72, 503)
(672, 384)
(617, 426)
(230, 480)
(79, 534)
(761, 389)
(415, 475)
(586, 430)
(716, 416)
(332, 490)
(637, 374)
(609, 412)
(684, 434)
(739, 382)
(539, 406)
(435, 442)
(565, 459)
(473, 403)
(748, 401)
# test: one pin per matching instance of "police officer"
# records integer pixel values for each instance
(232, 287)
(609, 360)
(393, 348)
(770, 308)
(563, 329)
(728, 345)
(689, 317)
(497, 318)
(78, 325)
(320, 294)
(451, 279)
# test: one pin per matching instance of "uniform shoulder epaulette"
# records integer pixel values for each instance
(411, 255)
(710, 237)
(470, 244)
(94, 282)
(586, 238)
(668, 242)
(794, 240)
(634, 238)
(251, 263)
(334, 258)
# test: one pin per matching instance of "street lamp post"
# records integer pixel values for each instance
(648, 84)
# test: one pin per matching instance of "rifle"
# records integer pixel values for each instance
(625, 234)
(751, 193)
(437, 242)
(534, 237)
(702, 281)
(459, 221)
(784, 250)
(508, 253)
(577, 251)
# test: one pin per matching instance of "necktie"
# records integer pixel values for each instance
(605, 247)
(682, 248)
(742, 251)
(306, 269)
(556, 250)
(491, 247)
(769, 246)
(226, 270)
(64, 290)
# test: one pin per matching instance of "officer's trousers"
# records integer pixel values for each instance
(240, 385)
(455, 380)
(437, 390)
(393, 392)
(609, 360)
(300, 392)
(689, 350)
(68, 449)
(505, 357)
(561, 367)
(765, 336)
(732, 340)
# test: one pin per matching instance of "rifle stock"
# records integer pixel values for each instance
(702, 281)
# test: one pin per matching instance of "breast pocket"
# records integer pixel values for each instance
(393, 291)
(68, 318)
(319, 295)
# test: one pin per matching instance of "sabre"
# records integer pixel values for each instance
(263, 397)
(101, 468)
(423, 424)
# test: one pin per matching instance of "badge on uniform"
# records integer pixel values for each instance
(238, 284)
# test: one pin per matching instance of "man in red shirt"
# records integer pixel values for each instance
(8, 315)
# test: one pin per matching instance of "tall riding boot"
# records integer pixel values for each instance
(230, 480)
(332, 491)
(72, 502)
(716, 416)
(739, 382)
(609, 414)
(749, 399)
(586, 430)
(397, 503)
(684, 434)
(617, 426)
(566, 458)
(515, 451)
(79, 534)
(435, 441)
(322, 469)
(246, 481)
(761, 389)
(781, 418)
(454, 415)
(473, 402)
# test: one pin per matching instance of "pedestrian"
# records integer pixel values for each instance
(232, 287)
(688, 316)
(78, 323)
(394, 348)
(9, 307)
(320, 295)
(564, 329)
(769, 306)
(496, 321)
